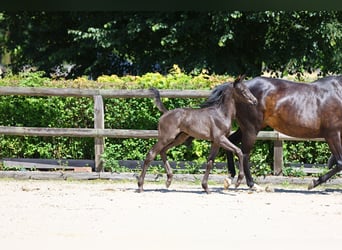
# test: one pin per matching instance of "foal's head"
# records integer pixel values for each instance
(242, 93)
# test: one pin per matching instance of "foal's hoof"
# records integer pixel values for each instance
(140, 188)
(168, 180)
(167, 184)
(239, 180)
(226, 183)
(312, 184)
(237, 184)
(257, 188)
(205, 187)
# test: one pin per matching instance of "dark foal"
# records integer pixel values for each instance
(212, 123)
(305, 110)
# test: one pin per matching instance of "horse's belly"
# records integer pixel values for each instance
(296, 127)
(300, 132)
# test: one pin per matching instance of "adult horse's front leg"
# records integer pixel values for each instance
(335, 146)
(247, 142)
(249, 179)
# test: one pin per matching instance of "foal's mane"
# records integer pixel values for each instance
(217, 95)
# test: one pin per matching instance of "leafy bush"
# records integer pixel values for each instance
(311, 152)
(68, 112)
(294, 172)
(130, 113)
(262, 158)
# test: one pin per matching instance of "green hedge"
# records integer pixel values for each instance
(131, 113)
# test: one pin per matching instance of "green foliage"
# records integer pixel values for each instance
(293, 172)
(32, 79)
(310, 152)
(233, 42)
(262, 158)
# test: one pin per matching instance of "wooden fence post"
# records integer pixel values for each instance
(98, 124)
(278, 157)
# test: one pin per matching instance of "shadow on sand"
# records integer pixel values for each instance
(198, 191)
(237, 191)
(326, 191)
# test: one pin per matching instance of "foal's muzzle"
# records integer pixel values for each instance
(254, 101)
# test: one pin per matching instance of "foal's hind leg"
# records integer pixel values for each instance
(149, 157)
(182, 137)
(336, 149)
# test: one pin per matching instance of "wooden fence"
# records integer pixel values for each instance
(99, 132)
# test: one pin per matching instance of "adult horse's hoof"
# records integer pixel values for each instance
(226, 183)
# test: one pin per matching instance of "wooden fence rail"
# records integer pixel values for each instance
(99, 132)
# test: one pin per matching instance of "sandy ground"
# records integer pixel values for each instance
(112, 215)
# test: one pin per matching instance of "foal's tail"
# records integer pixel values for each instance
(158, 101)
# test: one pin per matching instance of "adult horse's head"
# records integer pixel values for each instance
(242, 93)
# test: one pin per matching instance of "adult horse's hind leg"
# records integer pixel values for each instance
(327, 176)
(182, 137)
(331, 161)
(336, 149)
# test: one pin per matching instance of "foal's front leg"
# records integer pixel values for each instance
(213, 152)
(228, 145)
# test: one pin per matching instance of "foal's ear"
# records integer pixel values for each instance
(239, 79)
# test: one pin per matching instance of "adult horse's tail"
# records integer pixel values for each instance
(158, 101)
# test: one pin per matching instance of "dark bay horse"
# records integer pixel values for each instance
(305, 110)
(211, 123)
